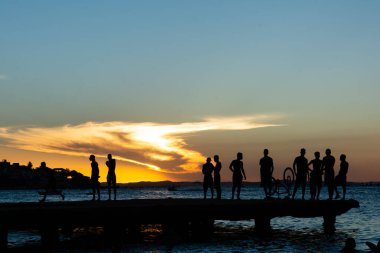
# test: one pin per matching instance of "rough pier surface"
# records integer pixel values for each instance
(50, 216)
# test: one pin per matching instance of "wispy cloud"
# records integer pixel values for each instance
(160, 147)
(3, 77)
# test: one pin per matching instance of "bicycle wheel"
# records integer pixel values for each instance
(288, 177)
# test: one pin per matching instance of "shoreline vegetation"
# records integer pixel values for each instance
(18, 177)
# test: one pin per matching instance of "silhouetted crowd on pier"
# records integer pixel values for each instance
(301, 169)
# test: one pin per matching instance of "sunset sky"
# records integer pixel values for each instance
(162, 85)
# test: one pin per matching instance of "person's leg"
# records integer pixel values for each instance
(344, 184)
(233, 187)
(238, 190)
(270, 186)
(114, 189)
(319, 187)
(265, 188)
(204, 190)
(295, 188)
(331, 190)
(93, 194)
(109, 189)
(303, 188)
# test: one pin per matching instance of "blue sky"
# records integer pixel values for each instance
(313, 62)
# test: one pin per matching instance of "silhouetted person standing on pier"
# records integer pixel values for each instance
(51, 187)
(111, 176)
(300, 167)
(316, 176)
(94, 177)
(328, 163)
(266, 171)
(217, 181)
(237, 169)
(207, 170)
(341, 178)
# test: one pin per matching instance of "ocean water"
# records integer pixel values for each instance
(288, 234)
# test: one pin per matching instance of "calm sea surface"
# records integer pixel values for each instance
(289, 234)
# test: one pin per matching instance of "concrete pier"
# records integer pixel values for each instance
(175, 214)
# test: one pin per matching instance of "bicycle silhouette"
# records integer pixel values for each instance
(285, 185)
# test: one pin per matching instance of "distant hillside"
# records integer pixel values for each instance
(16, 176)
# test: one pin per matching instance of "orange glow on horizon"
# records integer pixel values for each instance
(157, 147)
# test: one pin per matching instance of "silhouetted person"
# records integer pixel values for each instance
(328, 163)
(207, 170)
(95, 185)
(341, 178)
(349, 246)
(300, 167)
(316, 176)
(237, 169)
(111, 176)
(217, 181)
(51, 187)
(266, 171)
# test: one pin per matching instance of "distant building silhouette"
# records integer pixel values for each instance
(16, 176)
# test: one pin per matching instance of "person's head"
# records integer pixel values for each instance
(317, 155)
(266, 152)
(109, 156)
(92, 158)
(328, 151)
(239, 156)
(208, 160)
(343, 157)
(350, 243)
(216, 158)
(303, 151)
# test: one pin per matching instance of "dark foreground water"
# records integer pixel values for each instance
(289, 234)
